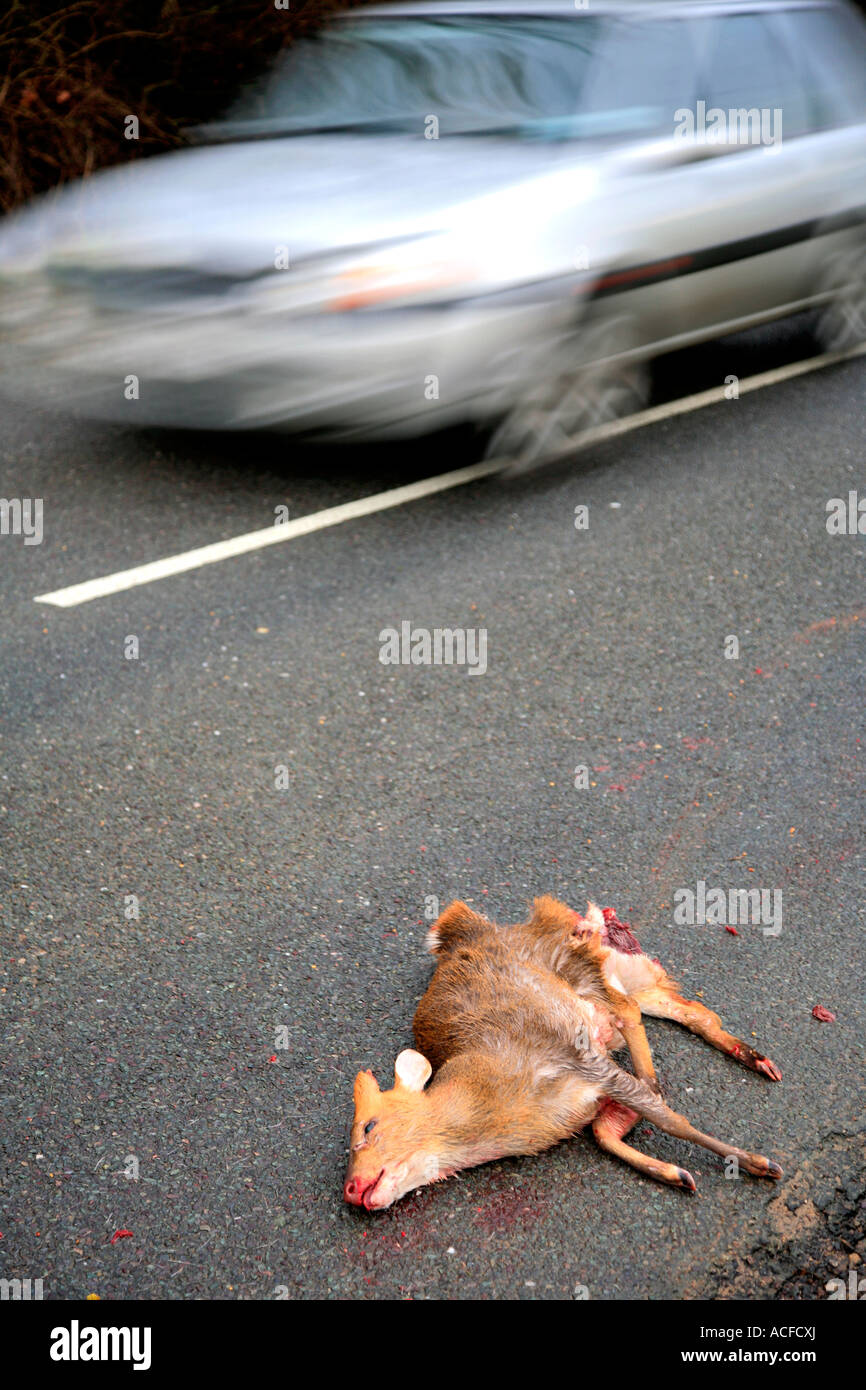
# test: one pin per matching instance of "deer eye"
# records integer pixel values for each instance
(369, 1125)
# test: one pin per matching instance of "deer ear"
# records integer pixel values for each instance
(366, 1087)
(458, 922)
(412, 1071)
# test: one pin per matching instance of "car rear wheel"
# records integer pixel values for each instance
(841, 323)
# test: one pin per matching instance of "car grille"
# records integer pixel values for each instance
(137, 288)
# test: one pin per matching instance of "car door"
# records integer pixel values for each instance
(645, 71)
(749, 205)
(830, 41)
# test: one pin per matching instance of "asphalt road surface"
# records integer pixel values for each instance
(184, 1075)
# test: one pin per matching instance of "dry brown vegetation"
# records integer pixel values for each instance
(74, 72)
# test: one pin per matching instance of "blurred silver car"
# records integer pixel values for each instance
(439, 212)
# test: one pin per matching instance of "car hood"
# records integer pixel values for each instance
(229, 208)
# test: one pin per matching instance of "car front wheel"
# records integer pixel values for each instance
(585, 381)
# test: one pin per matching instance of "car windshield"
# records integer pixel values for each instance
(455, 75)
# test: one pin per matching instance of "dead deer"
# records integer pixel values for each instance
(518, 1023)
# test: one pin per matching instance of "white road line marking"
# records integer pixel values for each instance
(271, 535)
(399, 496)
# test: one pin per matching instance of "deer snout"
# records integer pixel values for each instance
(358, 1190)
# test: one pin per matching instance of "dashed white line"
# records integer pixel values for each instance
(399, 496)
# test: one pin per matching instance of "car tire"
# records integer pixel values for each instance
(841, 321)
(588, 379)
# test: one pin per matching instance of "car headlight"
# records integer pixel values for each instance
(399, 273)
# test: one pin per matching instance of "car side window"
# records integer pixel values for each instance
(749, 74)
(831, 42)
(645, 72)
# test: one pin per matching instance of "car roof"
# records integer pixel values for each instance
(648, 8)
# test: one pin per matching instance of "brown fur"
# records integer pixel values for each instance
(518, 1023)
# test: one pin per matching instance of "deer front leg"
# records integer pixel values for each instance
(626, 1015)
(663, 1001)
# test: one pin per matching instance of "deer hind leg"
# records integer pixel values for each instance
(663, 1001)
(612, 1122)
(629, 1091)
